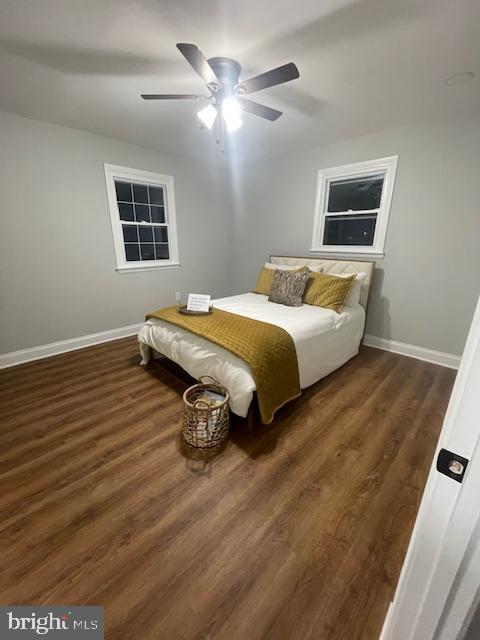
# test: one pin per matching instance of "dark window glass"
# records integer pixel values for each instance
(142, 213)
(146, 234)
(350, 230)
(140, 193)
(126, 211)
(161, 251)
(158, 213)
(132, 252)
(130, 233)
(124, 191)
(358, 194)
(147, 252)
(161, 234)
(156, 195)
(143, 204)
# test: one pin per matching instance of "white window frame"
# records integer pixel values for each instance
(114, 172)
(382, 166)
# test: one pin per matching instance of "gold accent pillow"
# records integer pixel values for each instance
(325, 290)
(265, 279)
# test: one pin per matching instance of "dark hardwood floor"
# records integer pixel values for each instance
(296, 531)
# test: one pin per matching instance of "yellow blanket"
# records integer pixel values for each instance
(268, 350)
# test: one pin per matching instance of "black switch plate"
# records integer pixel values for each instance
(444, 460)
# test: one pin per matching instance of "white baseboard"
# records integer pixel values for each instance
(420, 353)
(54, 348)
(386, 622)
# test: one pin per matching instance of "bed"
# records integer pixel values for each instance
(324, 340)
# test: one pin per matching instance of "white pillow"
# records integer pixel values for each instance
(353, 297)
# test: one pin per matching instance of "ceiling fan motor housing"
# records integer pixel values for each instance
(228, 73)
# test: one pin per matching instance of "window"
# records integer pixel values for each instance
(142, 212)
(352, 207)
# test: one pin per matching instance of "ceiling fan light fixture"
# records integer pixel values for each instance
(208, 115)
(233, 123)
(231, 108)
(231, 112)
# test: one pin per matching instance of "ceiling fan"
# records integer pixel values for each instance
(227, 91)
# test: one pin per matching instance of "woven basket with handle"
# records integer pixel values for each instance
(205, 424)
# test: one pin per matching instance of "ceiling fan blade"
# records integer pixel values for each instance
(259, 109)
(270, 78)
(170, 96)
(198, 61)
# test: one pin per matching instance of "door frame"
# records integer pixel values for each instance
(437, 590)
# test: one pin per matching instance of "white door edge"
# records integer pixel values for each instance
(444, 525)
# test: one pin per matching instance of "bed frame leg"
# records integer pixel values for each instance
(252, 414)
(250, 419)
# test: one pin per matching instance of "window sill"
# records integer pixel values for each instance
(348, 254)
(153, 267)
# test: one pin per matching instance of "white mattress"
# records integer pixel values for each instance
(324, 340)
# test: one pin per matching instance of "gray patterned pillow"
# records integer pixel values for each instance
(288, 287)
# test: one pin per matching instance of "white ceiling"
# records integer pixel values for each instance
(365, 65)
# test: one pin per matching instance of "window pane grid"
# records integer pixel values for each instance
(350, 230)
(142, 212)
(141, 251)
(139, 202)
(348, 218)
(360, 193)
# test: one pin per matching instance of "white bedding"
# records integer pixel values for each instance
(324, 340)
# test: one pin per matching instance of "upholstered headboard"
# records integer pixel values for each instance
(334, 267)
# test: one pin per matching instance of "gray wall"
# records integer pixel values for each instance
(57, 263)
(426, 287)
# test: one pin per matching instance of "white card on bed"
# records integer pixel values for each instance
(198, 302)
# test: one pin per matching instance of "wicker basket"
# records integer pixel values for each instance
(204, 425)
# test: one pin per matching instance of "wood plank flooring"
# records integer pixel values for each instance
(296, 531)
